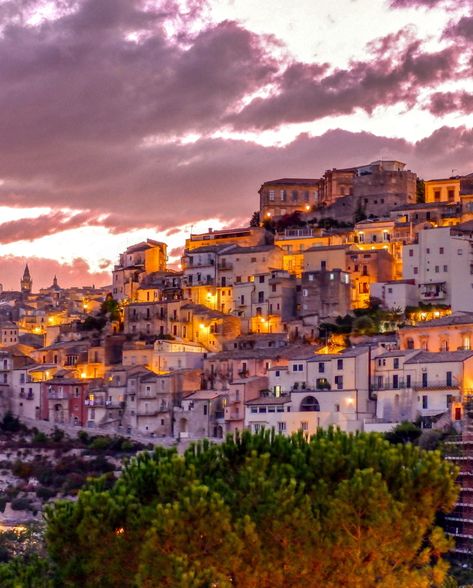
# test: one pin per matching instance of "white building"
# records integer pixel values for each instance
(411, 384)
(396, 294)
(318, 392)
(441, 263)
(25, 395)
(176, 355)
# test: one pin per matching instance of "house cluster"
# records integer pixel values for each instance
(237, 336)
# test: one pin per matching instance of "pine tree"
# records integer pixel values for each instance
(261, 511)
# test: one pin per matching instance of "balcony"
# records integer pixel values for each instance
(416, 385)
(433, 291)
(53, 395)
(232, 415)
(295, 234)
(147, 413)
(225, 266)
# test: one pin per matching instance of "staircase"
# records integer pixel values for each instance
(459, 449)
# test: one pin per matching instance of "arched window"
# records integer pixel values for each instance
(309, 403)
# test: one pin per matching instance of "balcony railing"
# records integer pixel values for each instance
(414, 385)
(225, 266)
(147, 413)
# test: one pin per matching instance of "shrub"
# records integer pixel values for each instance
(404, 433)
(57, 435)
(45, 493)
(73, 482)
(22, 470)
(127, 445)
(83, 437)
(10, 423)
(40, 438)
(21, 503)
(100, 443)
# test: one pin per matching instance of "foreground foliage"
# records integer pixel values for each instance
(261, 511)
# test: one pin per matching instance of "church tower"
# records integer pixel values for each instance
(26, 281)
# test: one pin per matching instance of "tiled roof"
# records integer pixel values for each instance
(439, 357)
(457, 318)
(265, 400)
(293, 181)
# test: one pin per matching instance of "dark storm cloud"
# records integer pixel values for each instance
(394, 74)
(95, 101)
(34, 228)
(448, 4)
(462, 30)
(444, 102)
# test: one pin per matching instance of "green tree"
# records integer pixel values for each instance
(255, 219)
(420, 190)
(261, 511)
(110, 308)
(405, 432)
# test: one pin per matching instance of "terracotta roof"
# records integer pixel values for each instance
(293, 181)
(266, 400)
(457, 318)
(439, 357)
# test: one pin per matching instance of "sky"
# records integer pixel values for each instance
(123, 120)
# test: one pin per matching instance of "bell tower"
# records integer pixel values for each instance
(26, 281)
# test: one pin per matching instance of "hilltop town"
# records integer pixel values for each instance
(346, 302)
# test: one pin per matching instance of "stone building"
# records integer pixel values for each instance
(326, 294)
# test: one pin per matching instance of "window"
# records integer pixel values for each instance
(437, 269)
(281, 427)
(321, 368)
(282, 195)
(427, 250)
(261, 279)
(395, 381)
(445, 268)
(339, 382)
(449, 379)
(451, 194)
(206, 409)
(416, 270)
(449, 400)
(424, 381)
(339, 364)
(441, 250)
(411, 253)
(425, 401)
(408, 381)
(396, 363)
(304, 426)
(437, 195)
(271, 195)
